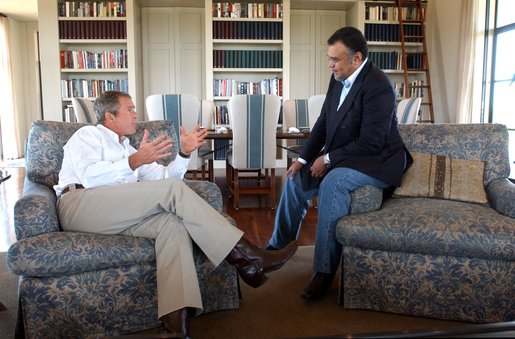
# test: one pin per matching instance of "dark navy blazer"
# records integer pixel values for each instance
(363, 134)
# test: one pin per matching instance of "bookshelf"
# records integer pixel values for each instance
(388, 26)
(86, 48)
(245, 44)
(93, 52)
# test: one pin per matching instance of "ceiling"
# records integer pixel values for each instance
(21, 10)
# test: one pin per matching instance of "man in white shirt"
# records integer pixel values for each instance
(106, 186)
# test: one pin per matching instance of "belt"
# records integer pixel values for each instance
(71, 187)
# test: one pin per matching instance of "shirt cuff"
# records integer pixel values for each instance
(302, 161)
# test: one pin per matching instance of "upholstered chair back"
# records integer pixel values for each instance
(44, 148)
(183, 110)
(315, 103)
(463, 141)
(83, 108)
(407, 110)
(253, 119)
(295, 114)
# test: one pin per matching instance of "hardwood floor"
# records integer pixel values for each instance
(253, 217)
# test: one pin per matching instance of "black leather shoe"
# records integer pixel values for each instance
(318, 286)
(252, 262)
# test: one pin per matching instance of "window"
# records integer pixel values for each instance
(499, 90)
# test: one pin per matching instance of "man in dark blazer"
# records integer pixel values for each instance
(355, 142)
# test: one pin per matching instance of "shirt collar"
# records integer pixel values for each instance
(113, 135)
(347, 83)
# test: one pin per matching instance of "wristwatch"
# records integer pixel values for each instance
(184, 155)
(327, 161)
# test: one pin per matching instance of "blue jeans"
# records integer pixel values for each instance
(333, 204)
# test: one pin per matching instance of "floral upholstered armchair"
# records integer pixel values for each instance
(79, 285)
(443, 246)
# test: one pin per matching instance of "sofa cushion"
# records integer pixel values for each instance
(444, 177)
(431, 226)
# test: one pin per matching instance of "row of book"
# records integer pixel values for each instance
(69, 114)
(92, 9)
(415, 89)
(91, 88)
(89, 60)
(393, 60)
(390, 13)
(247, 59)
(247, 10)
(221, 115)
(262, 30)
(391, 32)
(83, 29)
(228, 87)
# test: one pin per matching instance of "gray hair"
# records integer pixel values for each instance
(107, 102)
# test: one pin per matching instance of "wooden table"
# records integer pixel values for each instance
(211, 134)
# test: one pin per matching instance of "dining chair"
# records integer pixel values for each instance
(407, 110)
(295, 114)
(83, 109)
(207, 151)
(302, 114)
(253, 120)
(184, 110)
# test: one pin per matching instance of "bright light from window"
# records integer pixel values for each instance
(505, 12)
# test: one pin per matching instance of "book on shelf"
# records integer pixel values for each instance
(113, 59)
(69, 114)
(390, 32)
(255, 30)
(247, 10)
(91, 88)
(92, 9)
(247, 58)
(229, 87)
(99, 29)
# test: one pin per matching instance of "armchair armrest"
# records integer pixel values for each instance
(365, 199)
(501, 193)
(35, 212)
(209, 191)
(64, 253)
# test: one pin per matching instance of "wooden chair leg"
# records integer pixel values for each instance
(236, 182)
(272, 189)
(211, 170)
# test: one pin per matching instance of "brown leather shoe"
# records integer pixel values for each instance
(177, 322)
(252, 262)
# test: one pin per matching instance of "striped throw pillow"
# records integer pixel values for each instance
(444, 178)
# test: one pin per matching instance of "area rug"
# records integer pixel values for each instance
(276, 310)
(8, 297)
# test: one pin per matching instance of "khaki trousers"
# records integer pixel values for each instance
(165, 210)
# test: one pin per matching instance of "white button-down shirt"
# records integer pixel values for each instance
(94, 157)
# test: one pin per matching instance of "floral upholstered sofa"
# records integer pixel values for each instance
(76, 285)
(443, 245)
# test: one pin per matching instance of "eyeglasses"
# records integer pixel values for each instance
(335, 60)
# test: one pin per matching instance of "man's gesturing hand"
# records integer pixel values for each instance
(193, 140)
(149, 152)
